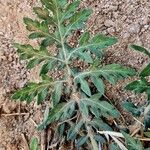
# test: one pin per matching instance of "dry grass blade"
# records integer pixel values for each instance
(112, 133)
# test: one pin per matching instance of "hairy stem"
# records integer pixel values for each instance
(89, 130)
(90, 134)
(63, 48)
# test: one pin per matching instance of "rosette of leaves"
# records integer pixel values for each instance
(81, 113)
(140, 86)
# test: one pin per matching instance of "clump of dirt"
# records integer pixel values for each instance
(128, 20)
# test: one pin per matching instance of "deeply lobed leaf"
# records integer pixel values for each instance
(95, 45)
(98, 108)
(141, 49)
(139, 86)
(60, 112)
(111, 73)
(32, 90)
(130, 107)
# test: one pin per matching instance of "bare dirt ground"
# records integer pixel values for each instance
(128, 20)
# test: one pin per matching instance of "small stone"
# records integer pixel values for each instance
(111, 30)
(26, 117)
(109, 23)
(113, 8)
(134, 29)
(10, 58)
(115, 14)
(126, 35)
(3, 58)
(146, 27)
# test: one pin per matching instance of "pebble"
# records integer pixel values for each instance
(134, 29)
(113, 8)
(10, 58)
(111, 30)
(108, 23)
(3, 58)
(26, 117)
(126, 35)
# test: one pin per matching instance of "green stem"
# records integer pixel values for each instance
(63, 47)
(90, 134)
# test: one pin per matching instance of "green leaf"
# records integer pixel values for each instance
(147, 117)
(34, 144)
(82, 140)
(61, 130)
(112, 73)
(42, 95)
(95, 45)
(84, 109)
(132, 144)
(77, 21)
(139, 86)
(73, 131)
(49, 5)
(30, 52)
(85, 87)
(62, 3)
(99, 124)
(103, 108)
(41, 13)
(99, 138)
(98, 84)
(36, 35)
(101, 41)
(40, 29)
(47, 41)
(46, 78)
(71, 9)
(140, 49)
(60, 112)
(86, 56)
(30, 24)
(146, 71)
(34, 25)
(147, 134)
(96, 96)
(56, 95)
(114, 146)
(47, 66)
(84, 38)
(130, 107)
(55, 6)
(32, 90)
(35, 55)
(32, 63)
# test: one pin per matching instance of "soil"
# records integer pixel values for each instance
(128, 20)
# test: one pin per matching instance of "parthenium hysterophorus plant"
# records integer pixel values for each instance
(59, 20)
